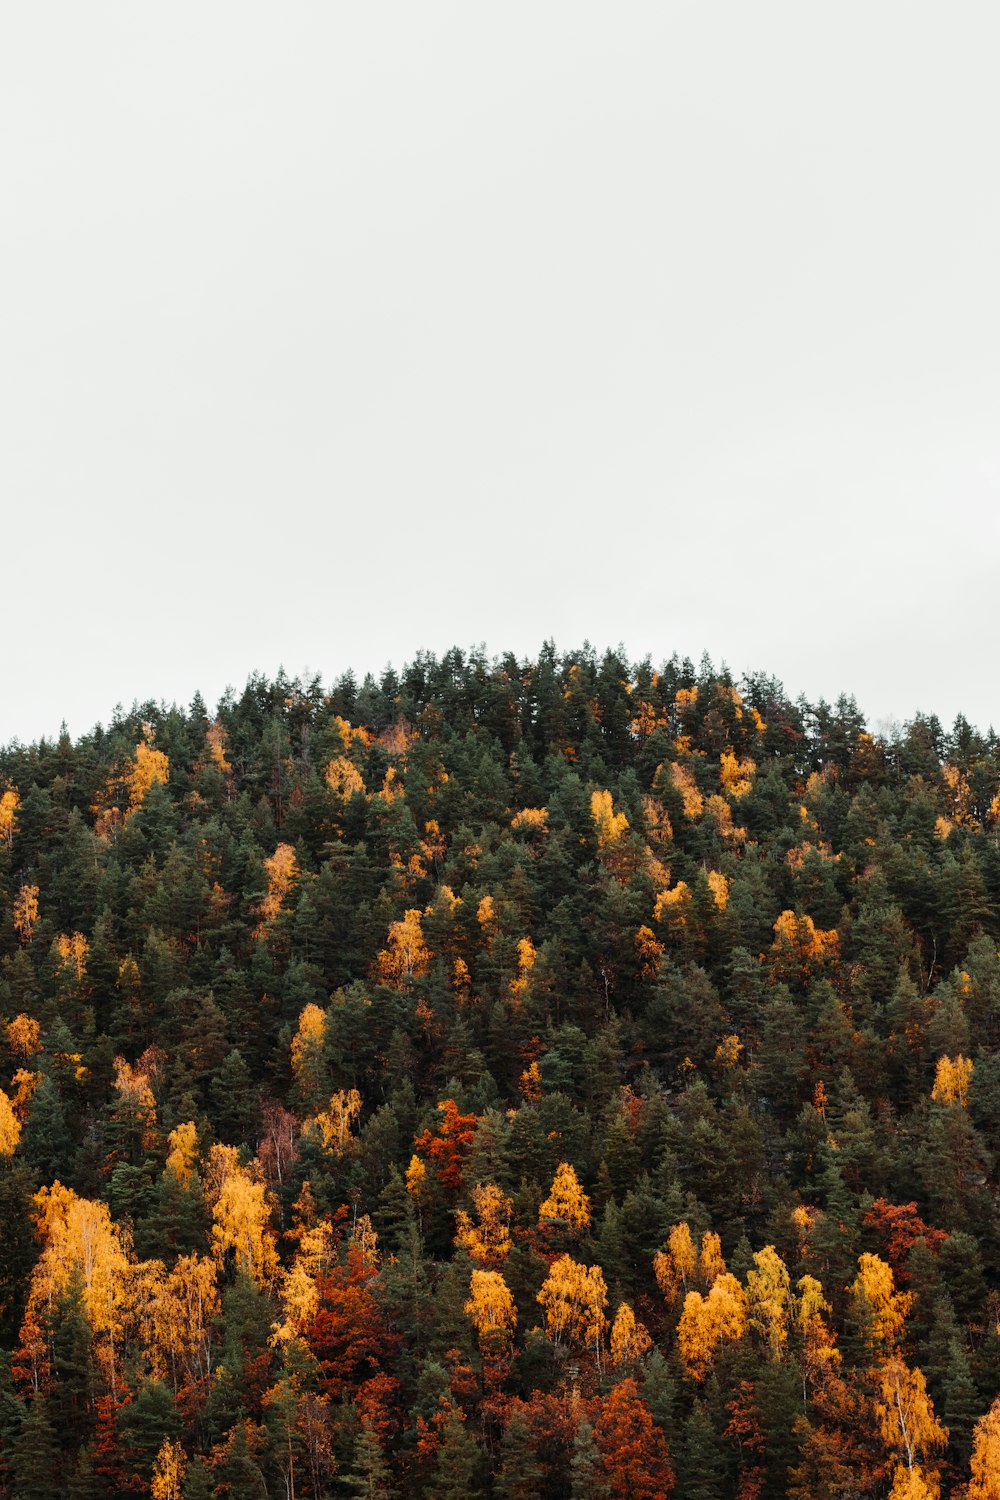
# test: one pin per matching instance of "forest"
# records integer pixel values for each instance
(501, 1078)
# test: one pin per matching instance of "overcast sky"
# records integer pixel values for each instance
(332, 332)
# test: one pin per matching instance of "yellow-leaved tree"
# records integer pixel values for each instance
(952, 1078)
(985, 1463)
(10, 1126)
(487, 1241)
(708, 1322)
(574, 1298)
(491, 1307)
(307, 1054)
(567, 1204)
(630, 1339)
(169, 1469)
(241, 1215)
(769, 1302)
(879, 1310)
(908, 1427)
(9, 804)
(406, 955)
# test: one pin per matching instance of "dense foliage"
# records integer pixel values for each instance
(501, 1079)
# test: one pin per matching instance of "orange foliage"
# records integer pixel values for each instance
(633, 1450)
(448, 1146)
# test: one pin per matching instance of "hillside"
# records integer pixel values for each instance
(501, 1079)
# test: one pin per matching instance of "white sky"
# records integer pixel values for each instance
(330, 332)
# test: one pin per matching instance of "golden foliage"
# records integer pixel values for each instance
(488, 1242)
(350, 736)
(985, 1462)
(736, 776)
(648, 951)
(952, 1078)
(169, 1469)
(406, 956)
(673, 906)
(574, 1298)
(416, 1177)
(491, 1306)
(134, 1088)
(25, 1083)
(721, 814)
(10, 1126)
(73, 949)
(24, 1035)
(800, 946)
(819, 1352)
(79, 1238)
(215, 737)
(727, 1053)
(9, 804)
(177, 1310)
(630, 1339)
(769, 1299)
(282, 870)
(657, 823)
(914, 1484)
(675, 1265)
(307, 1048)
(530, 819)
(611, 826)
(149, 768)
(879, 1308)
(241, 1216)
(711, 1264)
(567, 1203)
(344, 779)
(708, 1322)
(25, 911)
(530, 1083)
(683, 779)
(719, 886)
(905, 1413)
(183, 1152)
(333, 1124)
